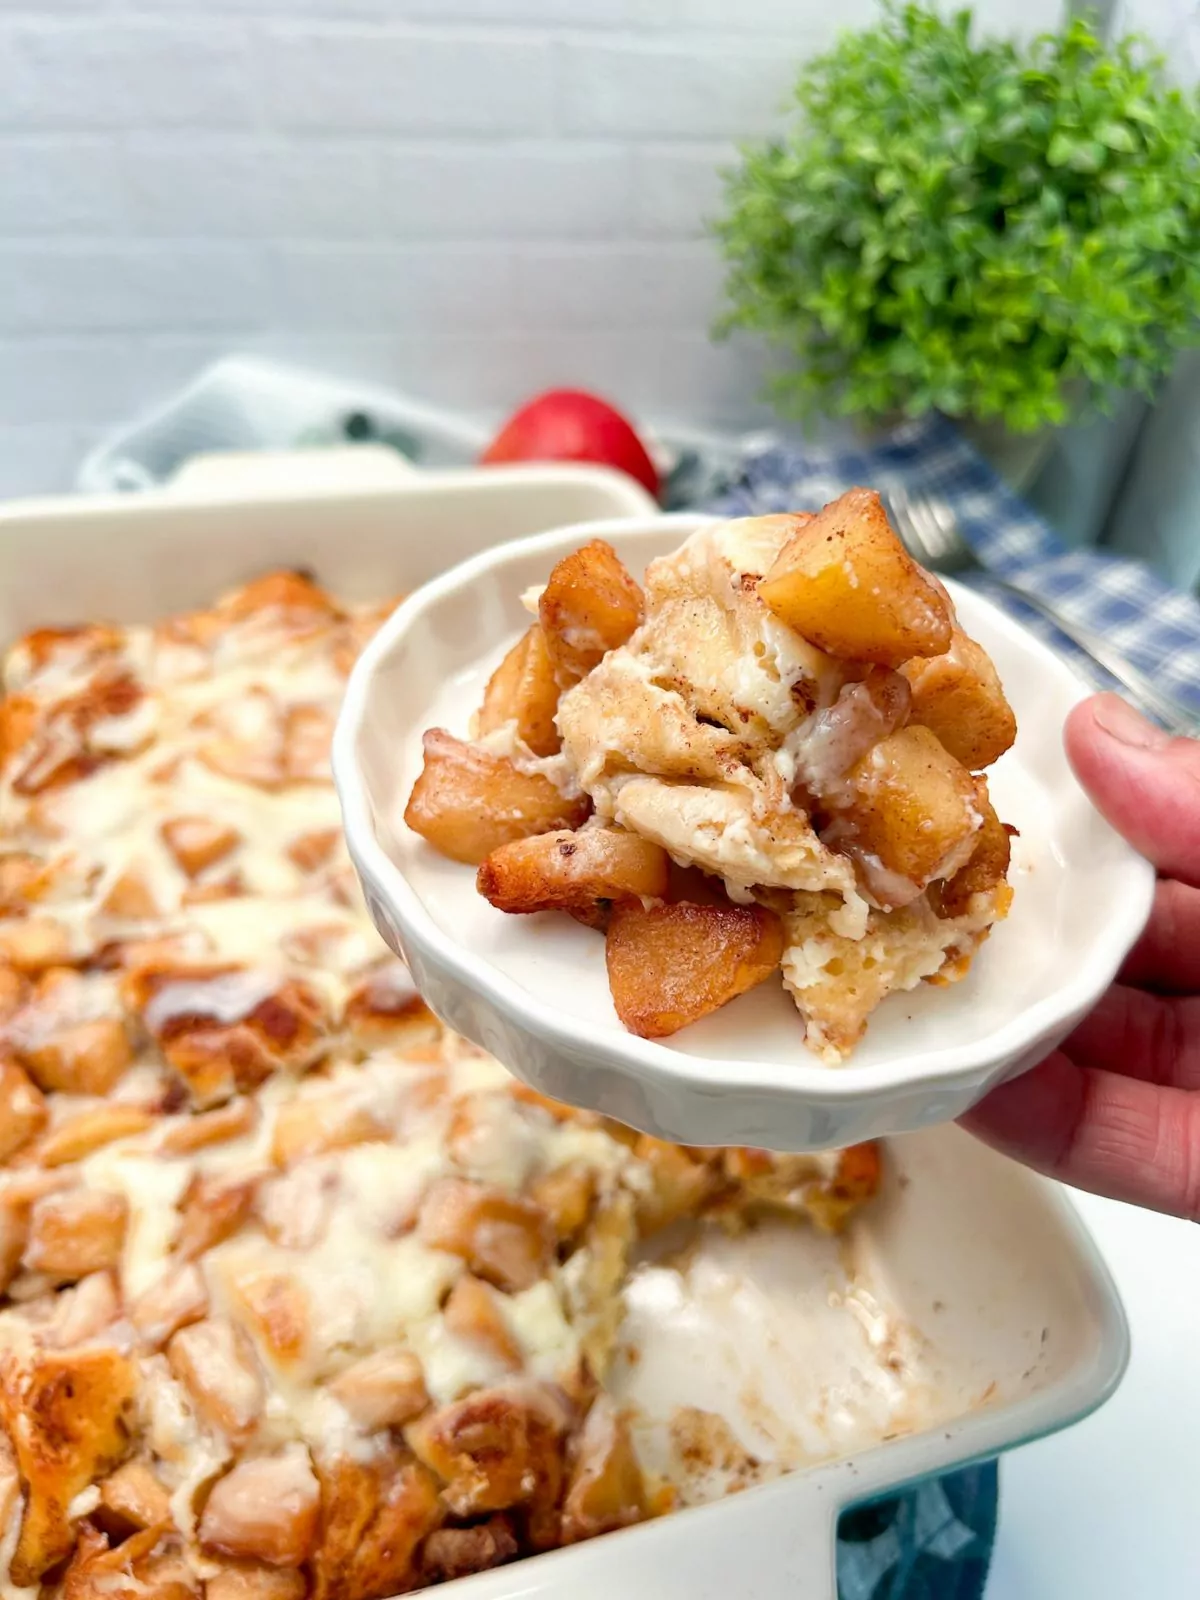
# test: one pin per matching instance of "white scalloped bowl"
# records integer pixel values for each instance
(533, 990)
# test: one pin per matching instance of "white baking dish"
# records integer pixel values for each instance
(971, 1311)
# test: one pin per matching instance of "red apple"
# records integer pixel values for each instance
(569, 425)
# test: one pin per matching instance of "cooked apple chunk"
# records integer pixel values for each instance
(914, 813)
(75, 1232)
(212, 1208)
(846, 583)
(606, 1489)
(670, 965)
(524, 690)
(133, 1498)
(215, 1362)
(468, 802)
(80, 1058)
(179, 1297)
(958, 696)
(266, 1509)
(984, 872)
(503, 1238)
(384, 1390)
(565, 871)
(22, 1108)
(590, 606)
(566, 1196)
(197, 842)
(473, 1313)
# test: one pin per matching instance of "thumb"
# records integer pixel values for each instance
(1145, 782)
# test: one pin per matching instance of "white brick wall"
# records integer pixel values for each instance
(466, 198)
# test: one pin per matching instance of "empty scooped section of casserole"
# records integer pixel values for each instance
(790, 714)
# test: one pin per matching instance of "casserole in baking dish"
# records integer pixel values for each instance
(326, 1298)
(226, 1311)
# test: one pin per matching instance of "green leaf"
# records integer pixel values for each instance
(1116, 135)
(1087, 156)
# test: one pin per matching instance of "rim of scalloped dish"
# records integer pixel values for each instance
(805, 1076)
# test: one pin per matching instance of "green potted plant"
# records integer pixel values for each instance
(1006, 233)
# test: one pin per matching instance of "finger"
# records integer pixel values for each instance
(1167, 956)
(1100, 1132)
(1146, 783)
(1143, 1036)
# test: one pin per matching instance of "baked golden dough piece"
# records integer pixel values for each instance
(792, 709)
(301, 1294)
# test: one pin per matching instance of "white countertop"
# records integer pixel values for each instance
(1108, 1509)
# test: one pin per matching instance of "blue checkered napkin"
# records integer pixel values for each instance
(932, 1543)
(1154, 626)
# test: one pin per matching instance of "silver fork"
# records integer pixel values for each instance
(930, 533)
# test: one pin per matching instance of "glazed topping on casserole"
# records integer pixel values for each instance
(302, 1295)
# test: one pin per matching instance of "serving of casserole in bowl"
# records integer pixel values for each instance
(303, 1293)
(860, 813)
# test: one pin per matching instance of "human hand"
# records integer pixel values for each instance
(1117, 1108)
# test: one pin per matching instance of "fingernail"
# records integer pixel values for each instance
(1121, 722)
